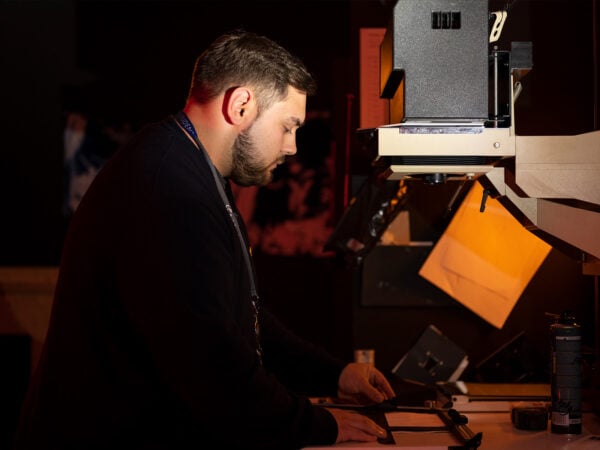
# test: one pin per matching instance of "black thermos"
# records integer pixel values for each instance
(565, 335)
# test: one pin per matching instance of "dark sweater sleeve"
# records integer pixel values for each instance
(303, 366)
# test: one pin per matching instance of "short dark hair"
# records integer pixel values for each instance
(245, 58)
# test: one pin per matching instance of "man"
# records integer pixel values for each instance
(157, 337)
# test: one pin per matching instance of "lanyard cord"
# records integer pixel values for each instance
(182, 119)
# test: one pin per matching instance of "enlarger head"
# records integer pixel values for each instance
(433, 61)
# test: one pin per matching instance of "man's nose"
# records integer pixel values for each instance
(289, 146)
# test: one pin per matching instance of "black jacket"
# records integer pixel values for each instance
(151, 341)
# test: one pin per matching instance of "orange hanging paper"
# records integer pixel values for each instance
(485, 260)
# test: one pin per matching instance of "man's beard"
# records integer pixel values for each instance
(246, 169)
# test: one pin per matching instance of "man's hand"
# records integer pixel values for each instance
(362, 383)
(353, 426)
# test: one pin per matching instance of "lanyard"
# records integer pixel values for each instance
(182, 119)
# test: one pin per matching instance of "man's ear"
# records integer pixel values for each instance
(240, 105)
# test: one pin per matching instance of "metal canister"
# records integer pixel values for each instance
(566, 380)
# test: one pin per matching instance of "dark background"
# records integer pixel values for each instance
(134, 61)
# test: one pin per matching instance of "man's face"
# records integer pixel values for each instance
(261, 147)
